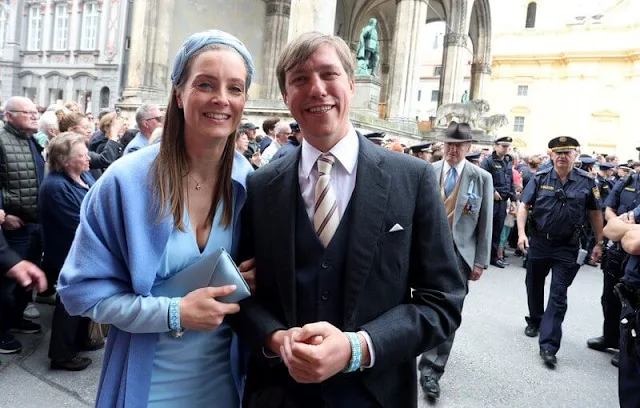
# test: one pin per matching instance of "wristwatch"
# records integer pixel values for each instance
(176, 334)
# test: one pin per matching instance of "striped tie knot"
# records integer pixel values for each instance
(325, 163)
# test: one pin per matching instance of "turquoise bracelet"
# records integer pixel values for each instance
(356, 353)
(174, 314)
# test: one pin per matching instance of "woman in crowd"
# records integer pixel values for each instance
(151, 216)
(242, 143)
(76, 122)
(61, 195)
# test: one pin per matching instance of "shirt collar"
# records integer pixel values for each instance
(345, 151)
(459, 167)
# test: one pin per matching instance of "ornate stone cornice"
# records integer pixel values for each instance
(457, 39)
(481, 68)
(278, 8)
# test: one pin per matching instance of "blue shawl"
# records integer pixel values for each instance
(117, 248)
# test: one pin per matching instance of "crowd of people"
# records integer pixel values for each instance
(348, 285)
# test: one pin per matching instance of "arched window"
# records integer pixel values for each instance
(104, 98)
(531, 15)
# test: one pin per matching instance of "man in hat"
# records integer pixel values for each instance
(422, 151)
(467, 192)
(564, 199)
(499, 165)
(294, 141)
(604, 181)
(249, 129)
(376, 137)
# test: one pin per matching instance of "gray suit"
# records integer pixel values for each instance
(472, 238)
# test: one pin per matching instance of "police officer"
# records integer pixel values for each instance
(562, 199)
(499, 166)
(604, 180)
(625, 229)
(622, 198)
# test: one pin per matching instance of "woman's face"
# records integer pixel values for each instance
(78, 161)
(84, 128)
(214, 94)
(242, 143)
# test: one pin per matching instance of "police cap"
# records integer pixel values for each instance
(376, 137)
(473, 157)
(294, 127)
(587, 160)
(606, 166)
(504, 141)
(563, 144)
(423, 147)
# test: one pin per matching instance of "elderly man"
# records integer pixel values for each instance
(563, 199)
(292, 144)
(21, 172)
(148, 118)
(349, 235)
(467, 192)
(282, 132)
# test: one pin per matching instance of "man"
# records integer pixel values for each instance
(562, 199)
(604, 181)
(282, 133)
(625, 229)
(500, 167)
(291, 146)
(422, 151)
(622, 198)
(350, 234)
(268, 126)
(249, 129)
(148, 118)
(467, 192)
(21, 172)
(475, 159)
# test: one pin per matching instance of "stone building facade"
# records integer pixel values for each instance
(265, 26)
(69, 50)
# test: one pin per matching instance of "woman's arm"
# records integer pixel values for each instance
(133, 313)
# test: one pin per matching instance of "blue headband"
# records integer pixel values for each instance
(195, 42)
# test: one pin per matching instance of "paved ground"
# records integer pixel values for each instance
(493, 363)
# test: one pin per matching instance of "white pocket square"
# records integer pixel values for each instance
(396, 227)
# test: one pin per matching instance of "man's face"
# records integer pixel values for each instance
(318, 94)
(502, 150)
(426, 156)
(564, 160)
(24, 117)
(154, 120)
(283, 134)
(251, 134)
(454, 153)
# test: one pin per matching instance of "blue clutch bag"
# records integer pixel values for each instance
(215, 269)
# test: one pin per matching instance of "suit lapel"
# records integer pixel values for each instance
(462, 193)
(369, 203)
(282, 207)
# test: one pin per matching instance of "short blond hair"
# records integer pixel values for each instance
(300, 49)
(60, 149)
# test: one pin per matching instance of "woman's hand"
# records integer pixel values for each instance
(256, 159)
(248, 271)
(200, 311)
(113, 133)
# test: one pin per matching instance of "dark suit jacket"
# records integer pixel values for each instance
(8, 258)
(381, 268)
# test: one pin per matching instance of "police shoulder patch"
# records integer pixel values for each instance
(596, 192)
(547, 187)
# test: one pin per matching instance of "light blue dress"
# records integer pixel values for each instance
(193, 370)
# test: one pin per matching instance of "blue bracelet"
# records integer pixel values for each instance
(356, 353)
(174, 314)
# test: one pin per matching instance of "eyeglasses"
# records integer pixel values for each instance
(32, 113)
(157, 118)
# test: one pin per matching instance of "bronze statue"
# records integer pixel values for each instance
(367, 53)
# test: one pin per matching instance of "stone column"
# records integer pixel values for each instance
(404, 61)
(451, 80)
(312, 15)
(10, 54)
(480, 77)
(149, 67)
(276, 33)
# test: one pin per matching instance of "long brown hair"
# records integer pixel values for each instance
(171, 166)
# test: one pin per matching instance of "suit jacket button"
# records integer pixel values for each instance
(325, 264)
(324, 295)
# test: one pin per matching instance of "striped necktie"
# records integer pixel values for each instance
(450, 181)
(325, 217)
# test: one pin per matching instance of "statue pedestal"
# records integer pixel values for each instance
(367, 95)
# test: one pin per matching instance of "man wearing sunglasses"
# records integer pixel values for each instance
(562, 200)
(148, 118)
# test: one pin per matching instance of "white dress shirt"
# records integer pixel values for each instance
(343, 182)
(268, 153)
(445, 170)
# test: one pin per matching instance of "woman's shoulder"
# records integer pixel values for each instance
(241, 168)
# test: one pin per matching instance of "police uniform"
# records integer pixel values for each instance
(558, 211)
(622, 198)
(473, 158)
(502, 174)
(605, 184)
(629, 369)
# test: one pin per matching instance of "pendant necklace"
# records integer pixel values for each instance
(198, 185)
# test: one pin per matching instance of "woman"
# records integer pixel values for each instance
(61, 194)
(242, 143)
(152, 215)
(76, 122)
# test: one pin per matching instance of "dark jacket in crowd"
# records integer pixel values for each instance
(287, 148)
(99, 162)
(8, 258)
(97, 142)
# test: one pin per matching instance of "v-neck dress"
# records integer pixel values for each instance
(194, 370)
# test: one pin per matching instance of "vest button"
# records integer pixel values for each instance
(324, 295)
(325, 264)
